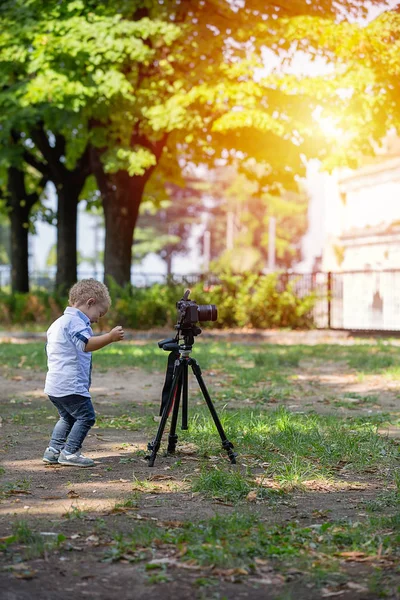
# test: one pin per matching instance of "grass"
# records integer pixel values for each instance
(74, 513)
(27, 543)
(238, 359)
(136, 546)
(386, 499)
(222, 485)
(236, 540)
(125, 421)
(20, 486)
(131, 502)
(294, 447)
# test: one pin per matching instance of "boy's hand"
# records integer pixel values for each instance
(117, 334)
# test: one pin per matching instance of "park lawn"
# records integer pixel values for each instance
(310, 509)
(381, 358)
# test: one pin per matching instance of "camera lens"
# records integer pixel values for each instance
(207, 312)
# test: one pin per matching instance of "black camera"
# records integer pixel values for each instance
(189, 312)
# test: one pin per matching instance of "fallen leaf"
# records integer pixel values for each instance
(261, 561)
(51, 497)
(355, 556)
(191, 565)
(161, 478)
(92, 540)
(72, 494)
(230, 572)
(356, 587)
(23, 571)
(327, 593)
(172, 523)
(222, 502)
(187, 448)
(251, 496)
(21, 362)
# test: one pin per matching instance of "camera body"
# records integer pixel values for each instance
(189, 312)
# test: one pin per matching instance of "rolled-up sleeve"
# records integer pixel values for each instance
(79, 334)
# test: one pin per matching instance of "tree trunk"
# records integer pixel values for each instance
(19, 249)
(168, 260)
(67, 215)
(20, 204)
(69, 185)
(121, 196)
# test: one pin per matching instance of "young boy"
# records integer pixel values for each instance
(69, 357)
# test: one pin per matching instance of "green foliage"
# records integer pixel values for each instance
(141, 308)
(251, 300)
(358, 96)
(34, 307)
(131, 80)
(242, 300)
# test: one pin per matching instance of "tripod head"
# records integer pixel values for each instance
(189, 313)
(187, 335)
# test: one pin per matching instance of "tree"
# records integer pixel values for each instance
(358, 98)
(245, 205)
(168, 215)
(137, 78)
(20, 189)
(35, 134)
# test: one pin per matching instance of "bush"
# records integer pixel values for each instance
(243, 301)
(33, 307)
(252, 300)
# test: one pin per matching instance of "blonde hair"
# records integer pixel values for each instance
(89, 288)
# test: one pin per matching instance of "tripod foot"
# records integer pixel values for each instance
(152, 448)
(229, 448)
(172, 440)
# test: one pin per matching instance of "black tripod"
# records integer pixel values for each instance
(176, 386)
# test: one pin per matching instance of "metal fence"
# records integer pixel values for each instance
(354, 301)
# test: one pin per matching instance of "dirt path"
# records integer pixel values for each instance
(81, 504)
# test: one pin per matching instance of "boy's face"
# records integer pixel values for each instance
(93, 309)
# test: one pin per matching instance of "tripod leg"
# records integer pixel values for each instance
(225, 442)
(155, 445)
(185, 397)
(173, 438)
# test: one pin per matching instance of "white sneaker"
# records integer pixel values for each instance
(51, 455)
(74, 460)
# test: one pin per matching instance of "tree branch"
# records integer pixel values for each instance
(57, 169)
(33, 162)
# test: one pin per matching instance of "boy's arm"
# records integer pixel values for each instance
(99, 341)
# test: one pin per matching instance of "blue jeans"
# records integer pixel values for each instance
(76, 418)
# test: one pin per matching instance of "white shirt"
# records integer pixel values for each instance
(69, 366)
